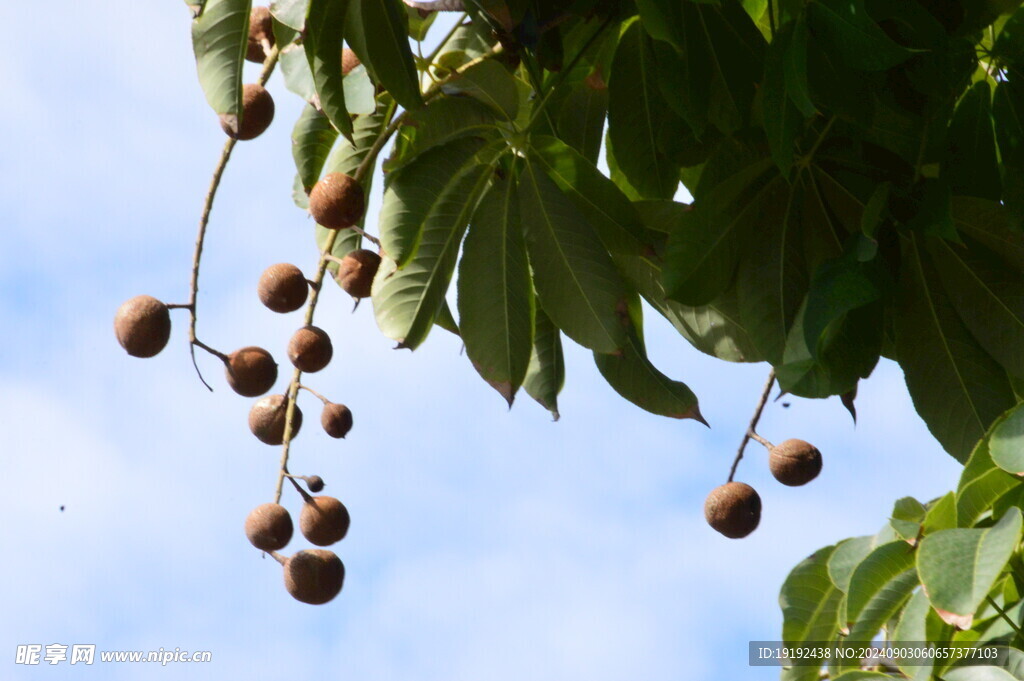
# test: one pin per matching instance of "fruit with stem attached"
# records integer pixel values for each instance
(324, 520)
(257, 113)
(336, 419)
(733, 509)
(794, 462)
(267, 419)
(337, 201)
(310, 349)
(314, 576)
(356, 272)
(142, 326)
(269, 527)
(251, 371)
(283, 288)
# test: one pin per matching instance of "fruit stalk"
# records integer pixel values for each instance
(752, 427)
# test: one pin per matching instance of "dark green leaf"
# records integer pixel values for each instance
(574, 276)
(312, 139)
(957, 388)
(783, 122)
(489, 83)
(419, 25)
(635, 378)
(385, 36)
(419, 189)
(810, 608)
(495, 294)
(635, 114)
(325, 26)
(581, 120)
(606, 208)
(219, 38)
(406, 301)
(981, 484)
(844, 25)
(546, 372)
(443, 120)
(971, 166)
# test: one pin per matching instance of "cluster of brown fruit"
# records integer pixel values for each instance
(143, 326)
(313, 576)
(734, 509)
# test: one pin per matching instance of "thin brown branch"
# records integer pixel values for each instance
(752, 428)
(204, 221)
(315, 393)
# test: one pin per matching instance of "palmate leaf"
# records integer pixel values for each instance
(810, 607)
(981, 484)
(859, 42)
(605, 207)
(545, 374)
(574, 276)
(443, 120)
(312, 139)
(325, 27)
(581, 118)
(635, 378)
(635, 115)
(490, 84)
(219, 38)
(407, 300)
(959, 567)
(988, 295)
(384, 42)
(417, 189)
(957, 388)
(495, 294)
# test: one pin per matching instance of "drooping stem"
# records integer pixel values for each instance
(204, 220)
(752, 428)
(315, 394)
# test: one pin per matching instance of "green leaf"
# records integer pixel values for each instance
(325, 26)
(635, 116)
(545, 374)
(941, 514)
(635, 378)
(838, 287)
(844, 25)
(810, 607)
(913, 628)
(979, 673)
(580, 120)
(604, 206)
(959, 567)
(970, 165)
(295, 70)
(989, 223)
(575, 278)
(495, 294)
(907, 515)
(490, 84)
(219, 38)
(704, 246)
(844, 560)
(957, 388)
(1008, 113)
(406, 301)
(419, 25)
(988, 295)
(291, 13)
(879, 587)
(783, 122)
(418, 189)
(981, 484)
(384, 33)
(859, 675)
(443, 120)
(312, 139)
(1006, 444)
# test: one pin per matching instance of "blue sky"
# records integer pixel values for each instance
(485, 543)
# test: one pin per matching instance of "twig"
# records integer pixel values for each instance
(1006, 617)
(204, 221)
(314, 393)
(753, 422)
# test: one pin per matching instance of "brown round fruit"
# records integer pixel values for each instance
(337, 201)
(283, 288)
(324, 521)
(733, 509)
(336, 419)
(261, 27)
(314, 576)
(310, 349)
(267, 418)
(315, 483)
(142, 326)
(269, 527)
(349, 61)
(356, 272)
(257, 113)
(794, 462)
(251, 371)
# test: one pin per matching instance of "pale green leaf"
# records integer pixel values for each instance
(219, 39)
